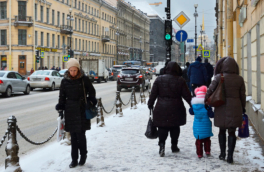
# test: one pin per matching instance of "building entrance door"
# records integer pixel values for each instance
(22, 65)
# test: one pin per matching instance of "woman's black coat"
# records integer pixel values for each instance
(72, 98)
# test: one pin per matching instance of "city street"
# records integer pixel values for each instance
(36, 114)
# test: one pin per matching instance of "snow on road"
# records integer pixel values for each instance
(122, 146)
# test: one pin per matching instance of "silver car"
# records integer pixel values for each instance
(11, 82)
(45, 79)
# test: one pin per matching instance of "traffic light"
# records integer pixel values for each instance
(37, 56)
(69, 53)
(72, 54)
(168, 32)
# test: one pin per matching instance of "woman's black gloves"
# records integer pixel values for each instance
(244, 110)
(59, 107)
(150, 107)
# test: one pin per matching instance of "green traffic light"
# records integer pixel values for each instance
(69, 56)
(167, 36)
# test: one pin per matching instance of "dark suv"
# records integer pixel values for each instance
(132, 77)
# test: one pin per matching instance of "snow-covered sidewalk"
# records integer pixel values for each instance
(122, 146)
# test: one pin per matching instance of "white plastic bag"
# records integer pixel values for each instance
(60, 131)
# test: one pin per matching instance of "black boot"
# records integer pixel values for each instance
(222, 144)
(174, 148)
(231, 148)
(73, 164)
(83, 160)
(162, 149)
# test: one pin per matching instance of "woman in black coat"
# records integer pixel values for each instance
(169, 113)
(71, 100)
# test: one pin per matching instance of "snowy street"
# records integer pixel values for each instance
(122, 146)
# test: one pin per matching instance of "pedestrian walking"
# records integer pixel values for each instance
(210, 71)
(31, 71)
(72, 101)
(162, 70)
(185, 76)
(46, 68)
(169, 113)
(202, 125)
(197, 74)
(228, 117)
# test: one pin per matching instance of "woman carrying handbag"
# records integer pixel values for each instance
(75, 87)
(228, 116)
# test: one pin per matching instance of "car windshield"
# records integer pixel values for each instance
(131, 71)
(117, 67)
(2, 74)
(41, 73)
(62, 71)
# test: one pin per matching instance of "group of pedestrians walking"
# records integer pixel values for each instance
(169, 112)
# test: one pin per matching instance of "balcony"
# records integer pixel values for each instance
(105, 38)
(65, 29)
(23, 21)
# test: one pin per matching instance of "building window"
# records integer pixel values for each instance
(83, 45)
(36, 38)
(41, 39)
(53, 40)
(79, 5)
(89, 46)
(105, 16)
(98, 47)
(86, 45)
(53, 17)
(79, 24)
(68, 41)
(82, 6)
(41, 13)
(89, 9)
(67, 2)
(75, 3)
(47, 15)
(75, 23)
(89, 27)
(3, 37)
(95, 29)
(86, 27)
(36, 12)
(63, 18)
(22, 37)
(48, 40)
(83, 25)
(58, 18)
(95, 47)
(75, 43)
(92, 10)
(63, 41)
(86, 8)
(80, 44)
(22, 10)
(58, 41)
(62, 1)
(92, 28)
(97, 13)
(102, 15)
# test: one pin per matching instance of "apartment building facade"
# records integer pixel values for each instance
(42, 25)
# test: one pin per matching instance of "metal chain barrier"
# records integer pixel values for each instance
(34, 143)
(4, 137)
(111, 109)
(128, 101)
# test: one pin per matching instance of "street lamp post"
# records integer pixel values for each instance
(195, 15)
(140, 54)
(201, 38)
(117, 34)
(70, 19)
(154, 51)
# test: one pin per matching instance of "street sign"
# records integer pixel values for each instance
(65, 58)
(200, 48)
(181, 36)
(42, 53)
(206, 53)
(190, 40)
(195, 47)
(181, 19)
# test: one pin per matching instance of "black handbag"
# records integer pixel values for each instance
(152, 132)
(90, 109)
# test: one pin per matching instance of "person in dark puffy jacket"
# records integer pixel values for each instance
(210, 71)
(197, 74)
(72, 101)
(228, 117)
(169, 113)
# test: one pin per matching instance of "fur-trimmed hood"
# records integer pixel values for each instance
(66, 74)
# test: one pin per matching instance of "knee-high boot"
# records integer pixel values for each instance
(222, 144)
(231, 148)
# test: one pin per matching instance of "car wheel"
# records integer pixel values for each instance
(27, 90)
(99, 80)
(106, 79)
(8, 92)
(118, 88)
(31, 89)
(52, 88)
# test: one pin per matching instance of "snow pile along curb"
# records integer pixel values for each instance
(122, 146)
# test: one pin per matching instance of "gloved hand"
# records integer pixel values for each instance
(207, 107)
(150, 107)
(93, 100)
(59, 107)
(191, 111)
(244, 110)
(61, 114)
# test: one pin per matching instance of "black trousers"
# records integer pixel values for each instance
(193, 88)
(174, 134)
(78, 143)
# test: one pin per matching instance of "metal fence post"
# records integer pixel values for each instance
(118, 105)
(142, 96)
(100, 116)
(149, 89)
(12, 159)
(133, 101)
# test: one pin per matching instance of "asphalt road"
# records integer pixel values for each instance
(36, 114)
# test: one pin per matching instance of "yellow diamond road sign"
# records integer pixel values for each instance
(200, 48)
(181, 19)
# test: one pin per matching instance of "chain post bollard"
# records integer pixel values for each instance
(12, 159)
(142, 95)
(100, 116)
(149, 89)
(118, 105)
(133, 101)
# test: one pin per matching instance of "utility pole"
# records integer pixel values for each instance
(195, 15)
(168, 32)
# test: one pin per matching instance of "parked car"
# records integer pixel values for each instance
(45, 79)
(11, 82)
(132, 77)
(113, 74)
(149, 73)
(62, 72)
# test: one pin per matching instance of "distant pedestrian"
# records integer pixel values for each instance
(39, 68)
(46, 68)
(210, 71)
(162, 70)
(72, 101)
(185, 76)
(31, 71)
(57, 69)
(202, 126)
(228, 116)
(169, 113)
(43, 68)
(197, 74)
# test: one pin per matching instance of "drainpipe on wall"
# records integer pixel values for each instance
(10, 56)
(229, 21)
(220, 44)
(34, 38)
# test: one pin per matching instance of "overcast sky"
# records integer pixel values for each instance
(187, 6)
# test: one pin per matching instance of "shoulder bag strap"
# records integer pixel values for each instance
(84, 92)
